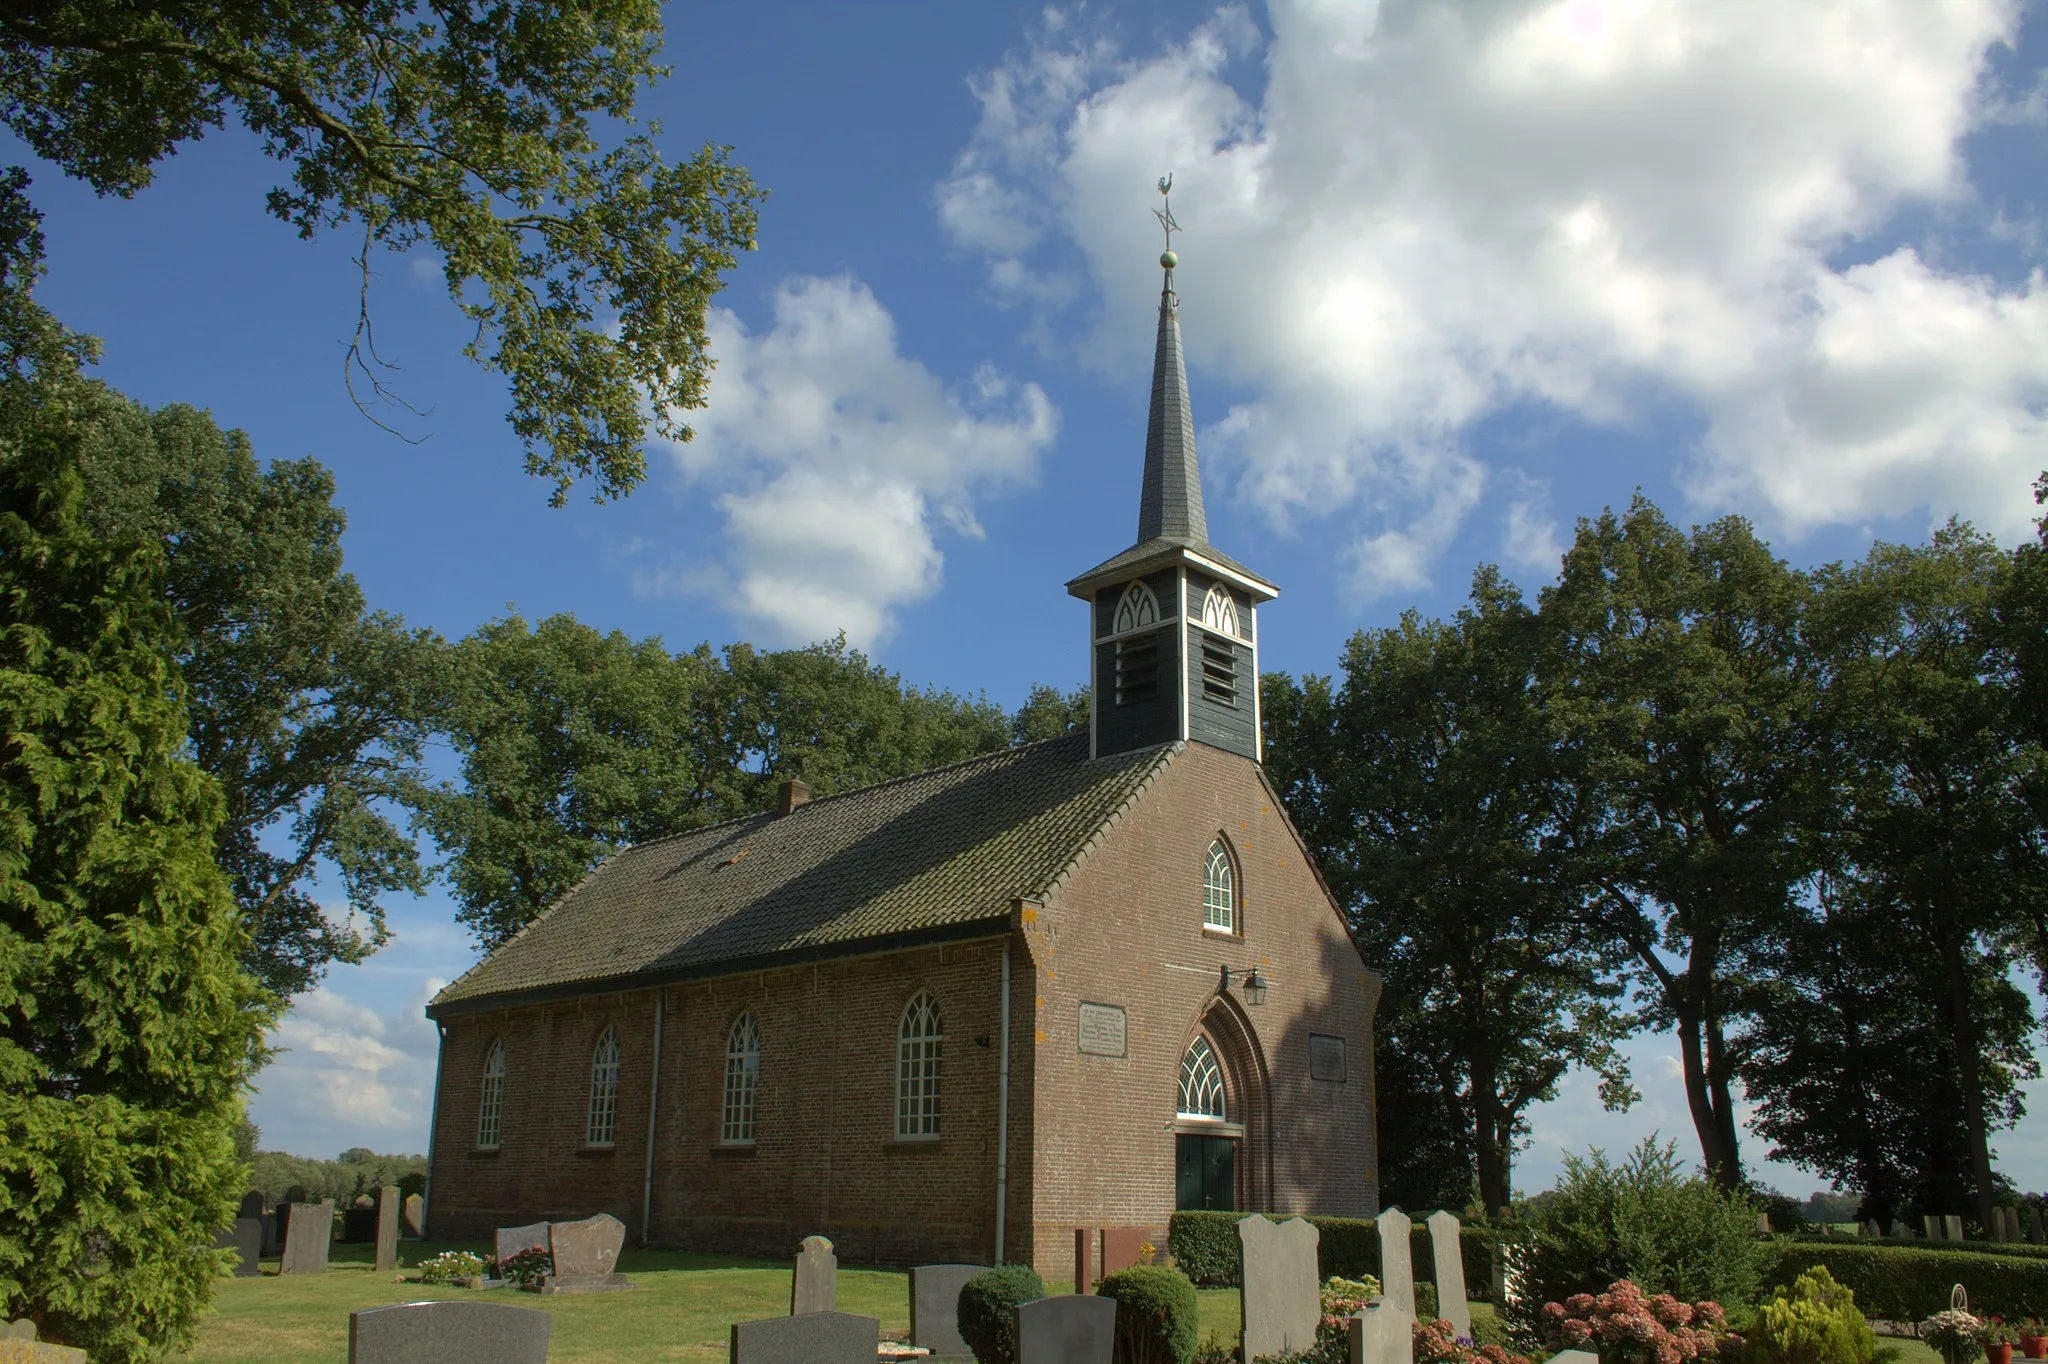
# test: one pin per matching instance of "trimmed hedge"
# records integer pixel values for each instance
(1156, 1314)
(1205, 1246)
(988, 1310)
(1911, 1283)
(2019, 1248)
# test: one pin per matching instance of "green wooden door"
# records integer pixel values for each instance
(1206, 1172)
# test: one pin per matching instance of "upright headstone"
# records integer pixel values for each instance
(387, 1228)
(815, 1285)
(252, 1205)
(2011, 1227)
(1933, 1226)
(413, 1217)
(22, 1345)
(308, 1238)
(1282, 1304)
(1900, 1231)
(279, 1227)
(1451, 1304)
(1382, 1334)
(245, 1238)
(448, 1333)
(2035, 1231)
(1872, 1230)
(807, 1338)
(1072, 1328)
(935, 1308)
(1575, 1357)
(586, 1255)
(511, 1240)
(1397, 1272)
(1084, 1262)
(1763, 1224)
(1952, 1226)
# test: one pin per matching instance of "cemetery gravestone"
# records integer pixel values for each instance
(413, 1217)
(807, 1338)
(1282, 1303)
(252, 1205)
(1122, 1247)
(586, 1254)
(815, 1285)
(1952, 1227)
(2034, 1227)
(1084, 1263)
(358, 1225)
(935, 1308)
(245, 1238)
(2011, 1227)
(1763, 1224)
(1451, 1304)
(387, 1229)
(1900, 1231)
(1382, 1334)
(1933, 1226)
(1397, 1272)
(448, 1333)
(511, 1240)
(308, 1238)
(1073, 1328)
(280, 1225)
(1575, 1357)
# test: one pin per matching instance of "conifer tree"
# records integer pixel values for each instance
(128, 1027)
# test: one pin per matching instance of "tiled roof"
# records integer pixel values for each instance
(950, 847)
(1165, 547)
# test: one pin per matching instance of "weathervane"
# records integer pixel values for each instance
(1164, 213)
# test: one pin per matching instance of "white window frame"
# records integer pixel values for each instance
(742, 1081)
(1201, 1083)
(601, 1122)
(920, 1036)
(1219, 892)
(490, 1109)
(1219, 612)
(1136, 609)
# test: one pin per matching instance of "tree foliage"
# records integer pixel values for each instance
(478, 131)
(128, 1027)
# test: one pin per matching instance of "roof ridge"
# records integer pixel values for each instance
(1165, 754)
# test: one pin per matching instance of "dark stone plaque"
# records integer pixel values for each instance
(1325, 1057)
(448, 1333)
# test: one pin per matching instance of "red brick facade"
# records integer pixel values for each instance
(1091, 1138)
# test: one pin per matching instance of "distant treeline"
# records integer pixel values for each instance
(358, 1170)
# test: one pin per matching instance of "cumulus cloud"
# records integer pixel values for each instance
(841, 462)
(348, 1076)
(1402, 218)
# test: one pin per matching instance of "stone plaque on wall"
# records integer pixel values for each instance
(1325, 1057)
(1102, 1031)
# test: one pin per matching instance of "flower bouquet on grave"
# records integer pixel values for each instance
(1953, 1334)
(454, 1266)
(528, 1268)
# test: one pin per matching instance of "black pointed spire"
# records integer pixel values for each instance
(1170, 503)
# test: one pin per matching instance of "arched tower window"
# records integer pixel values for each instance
(490, 1106)
(918, 1038)
(1219, 890)
(742, 1076)
(1219, 611)
(1136, 609)
(602, 1123)
(1201, 1082)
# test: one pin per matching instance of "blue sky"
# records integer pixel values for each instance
(1452, 276)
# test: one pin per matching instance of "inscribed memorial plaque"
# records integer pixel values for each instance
(448, 1333)
(807, 1338)
(935, 1308)
(1449, 1262)
(1071, 1328)
(1102, 1030)
(1325, 1057)
(1282, 1304)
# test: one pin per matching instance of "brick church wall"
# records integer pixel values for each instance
(1104, 1153)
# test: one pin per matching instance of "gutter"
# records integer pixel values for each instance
(1003, 1115)
(653, 1107)
(434, 1123)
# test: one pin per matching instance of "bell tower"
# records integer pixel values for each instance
(1173, 624)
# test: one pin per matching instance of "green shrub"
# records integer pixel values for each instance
(1909, 1283)
(1156, 1314)
(1813, 1322)
(988, 1315)
(1646, 1222)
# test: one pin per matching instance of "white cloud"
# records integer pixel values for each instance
(348, 1076)
(841, 461)
(1429, 213)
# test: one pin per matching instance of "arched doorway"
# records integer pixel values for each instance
(1221, 1119)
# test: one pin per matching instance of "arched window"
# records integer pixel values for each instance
(917, 1068)
(1219, 611)
(1219, 890)
(1201, 1082)
(742, 1075)
(602, 1123)
(492, 1104)
(1136, 608)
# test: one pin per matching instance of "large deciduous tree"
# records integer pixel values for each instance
(128, 1027)
(485, 132)
(1441, 811)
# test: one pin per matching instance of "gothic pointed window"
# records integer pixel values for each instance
(1201, 1082)
(918, 1038)
(1219, 890)
(1219, 611)
(1136, 609)
(601, 1124)
(742, 1077)
(491, 1105)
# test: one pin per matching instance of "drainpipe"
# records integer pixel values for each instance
(1003, 1114)
(653, 1106)
(434, 1122)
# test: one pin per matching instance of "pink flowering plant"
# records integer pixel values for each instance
(1437, 1342)
(1624, 1325)
(528, 1267)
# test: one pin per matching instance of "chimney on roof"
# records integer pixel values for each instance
(792, 793)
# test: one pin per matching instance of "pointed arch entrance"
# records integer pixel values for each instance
(1222, 1115)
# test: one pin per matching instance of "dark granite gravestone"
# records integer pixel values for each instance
(815, 1285)
(278, 1228)
(308, 1238)
(586, 1254)
(252, 1205)
(935, 1308)
(448, 1333)
(1122, 1247)
(807, 1338)
(358, 1225)
(511, 1240)
(1282, 1302)
(245, 1238)
(1072, 1328)
(415, 1217)
(387, 1228)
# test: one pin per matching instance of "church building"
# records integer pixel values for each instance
(951, 1017)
